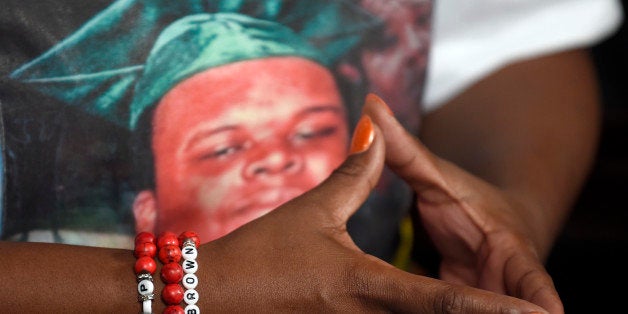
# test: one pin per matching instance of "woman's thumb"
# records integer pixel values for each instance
(346, 189)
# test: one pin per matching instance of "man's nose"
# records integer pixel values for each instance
(269, 161)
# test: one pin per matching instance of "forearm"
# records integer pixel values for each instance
(531, 129)
(55, 278)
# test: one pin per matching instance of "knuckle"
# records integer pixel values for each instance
(368, 288)
(357, 283)
(450, 301)
(345, 291)
(353, 173)
(360, 281)
(350, 170)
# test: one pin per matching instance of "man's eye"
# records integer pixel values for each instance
(222, 152)
(317, 133)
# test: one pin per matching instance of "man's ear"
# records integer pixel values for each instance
(145, 211)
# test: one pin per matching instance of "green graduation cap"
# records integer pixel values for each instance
(122, 61)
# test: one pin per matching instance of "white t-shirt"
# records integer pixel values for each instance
(474, 38)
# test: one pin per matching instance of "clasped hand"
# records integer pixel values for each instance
(300, 258)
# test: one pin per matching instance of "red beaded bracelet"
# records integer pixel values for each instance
(170, 250)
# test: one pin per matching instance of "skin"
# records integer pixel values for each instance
(303, 246)
(265, 132)
(494, 202)
(493, 227)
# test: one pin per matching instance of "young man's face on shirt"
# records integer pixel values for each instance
(236, 141)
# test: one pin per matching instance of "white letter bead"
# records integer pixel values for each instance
(190, 296)
(190, 281)
(145, 287)
(189, 253)
(190, 267)
(192, 309)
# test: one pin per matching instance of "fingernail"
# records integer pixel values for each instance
(362, 135)
(372, 98)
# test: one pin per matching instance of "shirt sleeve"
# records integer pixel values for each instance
(471, 39)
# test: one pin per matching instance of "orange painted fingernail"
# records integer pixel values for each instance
(362, 135)
(372, 98)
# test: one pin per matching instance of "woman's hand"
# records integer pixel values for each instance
(481, 232)
(297, 258)
(300, 257)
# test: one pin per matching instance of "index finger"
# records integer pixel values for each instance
(405, 154)
(399, 291)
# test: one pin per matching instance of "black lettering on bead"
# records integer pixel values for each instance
(190, 280)
(191, 311)
(189, 264)
(189, 250)
(143, 288)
